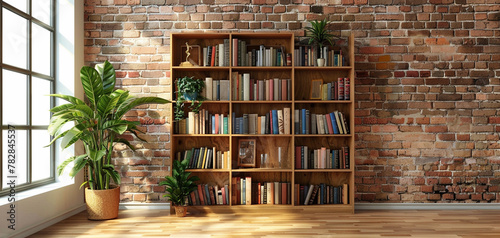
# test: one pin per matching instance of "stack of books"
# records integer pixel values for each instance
(209, 195)
(216, 90)
(216, 55)
(248, 89)
(322, 158)
(307, 56)
(203, 123)
(259, 55)
(274, 122)
(330, 123)
(205, 158)
(321, 194)
(339, 90)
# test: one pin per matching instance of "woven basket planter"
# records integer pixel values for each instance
(102, 204)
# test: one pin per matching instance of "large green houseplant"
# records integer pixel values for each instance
(97, 122)
(179, 186)
(319, 36)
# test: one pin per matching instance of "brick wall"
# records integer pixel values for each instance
(427, 86)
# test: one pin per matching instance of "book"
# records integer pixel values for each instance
(248, 187)
(309, 194)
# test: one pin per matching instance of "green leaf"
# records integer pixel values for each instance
(110, 170)
(63, 165)
(108, 76)
(92, 84)
(134, 102)
(83, 184)
(72, 136)
(107, 104)
(71, 99)
(80, 162)
(118, 126)
(95, 155)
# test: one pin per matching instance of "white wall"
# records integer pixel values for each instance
(39, 208)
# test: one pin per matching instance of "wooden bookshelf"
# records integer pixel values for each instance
(301, 77)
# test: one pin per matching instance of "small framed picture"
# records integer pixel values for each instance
(316, 88)
(246, 153)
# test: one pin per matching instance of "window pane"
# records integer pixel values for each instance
(41, 49)
(20, 164)
(19, 4)
(40, 155)
(40, 113)
(41, 10)
(14, 98)
(15, 40)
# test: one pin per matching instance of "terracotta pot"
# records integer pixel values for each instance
(102, 204)
(180, 211)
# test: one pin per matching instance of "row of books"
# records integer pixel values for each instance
(247, 89)
(339, 90)
(330, 123)
(216, 90)
(246, 193)
(323, 158)
(259, 55)
(321, 194)
(308, 55)
(216, 55)
(209, 195)
(203, 123)
(205, 158)
(274, 122)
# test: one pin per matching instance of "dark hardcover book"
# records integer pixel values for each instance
(233, 123)
(237, 129)
(336, 195)
(239, 53)
(346, 157)
(267, 123)
(323, 196)
(302, 157)
(265, 194)
(313, 124)
(303, 121)
(201, 193)
(313, 195)
(212, 195)
(275, 122)
(209, 55)
(226, 52)
(288, 193)
(308, 122)
(334, 123)
(245, 124)
(197, 197)
(346, 123)
(209, 159)
(254, 57)
(207, 195)
(195, 158)
(241, 125)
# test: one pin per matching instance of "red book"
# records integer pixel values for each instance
(341, 88)
(298, 162)
(223, 196)
(233, 190)
(297, 194)
(258, 194)
(201, 194)
(193, 198)
(329, 123)
(212, 61)
(251, 90)
(216, 124)
(347, 89)
(212, 195)
(235, 52)
(284, 90)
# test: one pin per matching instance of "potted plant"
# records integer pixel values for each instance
(319, 36)
(179, 186)
(188, 88)
(97, 122)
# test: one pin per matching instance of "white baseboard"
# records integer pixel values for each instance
(144, 206)
(427, 206)
(49, 222)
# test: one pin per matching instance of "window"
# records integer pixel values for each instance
(26, 78)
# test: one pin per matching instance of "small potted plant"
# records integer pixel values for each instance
(188, 88)
(179, 186)
(319, 36)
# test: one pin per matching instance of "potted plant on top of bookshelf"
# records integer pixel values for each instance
(188, 88)
(319, 36)
(98, 124)
(179, 186)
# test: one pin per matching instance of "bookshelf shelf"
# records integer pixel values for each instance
(290, 82)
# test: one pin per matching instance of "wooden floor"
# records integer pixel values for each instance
(411, 223)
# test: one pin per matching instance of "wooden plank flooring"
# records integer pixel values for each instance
(407, 223)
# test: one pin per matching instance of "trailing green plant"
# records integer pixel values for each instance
(184, 86)
(189, 85)
(97, 122)
(180, 184)
(318, 34)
